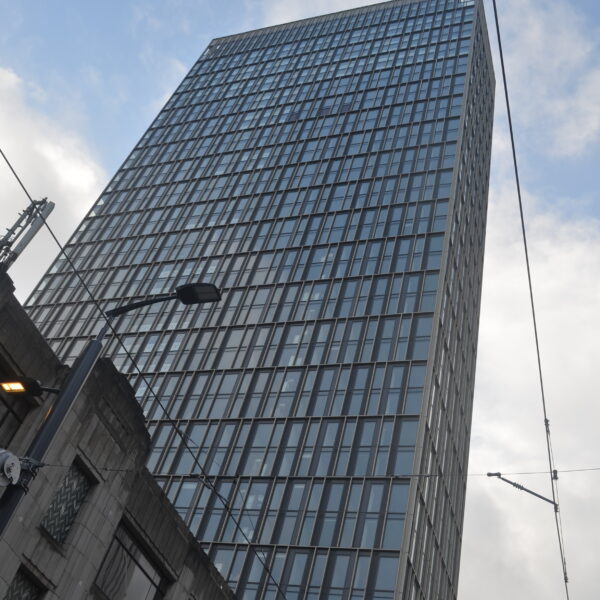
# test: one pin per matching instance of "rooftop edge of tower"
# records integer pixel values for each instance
(325, 17)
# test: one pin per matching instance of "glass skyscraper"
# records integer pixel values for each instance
(330, 175)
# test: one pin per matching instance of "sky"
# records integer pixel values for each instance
(81, 81)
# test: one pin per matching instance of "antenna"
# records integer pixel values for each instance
(23, 231)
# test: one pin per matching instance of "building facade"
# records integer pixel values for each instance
(330, 175)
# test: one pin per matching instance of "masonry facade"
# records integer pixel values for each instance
(331, 176)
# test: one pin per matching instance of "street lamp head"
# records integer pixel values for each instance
(197, 293)
(26, 386)
(190, 293)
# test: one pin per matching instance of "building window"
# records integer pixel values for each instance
(66, 504)
(127, 573)
(23, 587)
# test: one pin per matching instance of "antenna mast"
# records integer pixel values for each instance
(23, 231)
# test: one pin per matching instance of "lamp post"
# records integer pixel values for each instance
(193, 293)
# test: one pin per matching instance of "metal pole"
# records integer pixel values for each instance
(56, 415)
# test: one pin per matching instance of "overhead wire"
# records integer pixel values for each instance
(205, 477)
(551, 469)
(407, 476)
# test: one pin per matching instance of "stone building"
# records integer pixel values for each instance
(94, 523)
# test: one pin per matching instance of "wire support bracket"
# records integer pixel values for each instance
(29, 471)
(525, 489)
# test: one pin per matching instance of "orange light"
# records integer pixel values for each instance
(13, 387)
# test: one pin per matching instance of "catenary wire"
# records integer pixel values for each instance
(553, 481)
(205, 477)
(402, 476)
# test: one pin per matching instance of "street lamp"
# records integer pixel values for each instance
(191, 293)
(25, 386)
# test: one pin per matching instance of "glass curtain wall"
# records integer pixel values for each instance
(312, 171)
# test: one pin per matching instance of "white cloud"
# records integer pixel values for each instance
(149, 24)
(579, 116)
(509, 537)
(169, 71)
(52, 161)
(552, 56)
(510, 548)
(274, 12)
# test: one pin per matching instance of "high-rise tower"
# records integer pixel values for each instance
(331, 176)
